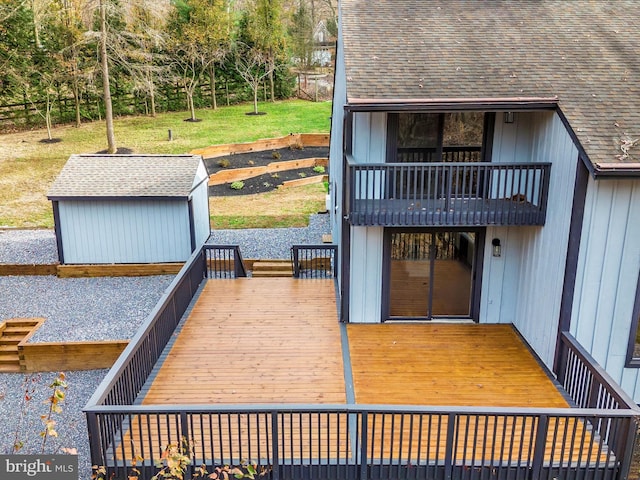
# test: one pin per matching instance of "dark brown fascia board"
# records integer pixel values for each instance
(616, 170)
(451, 104)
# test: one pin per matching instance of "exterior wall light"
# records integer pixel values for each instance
(497, 248)
(509, 117)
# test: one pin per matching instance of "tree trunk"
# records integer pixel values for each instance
(273, 95)
(255, 98)
(152, 98)
(212, 84)
(47, 117)
(108, 108)
(192, 108)
(76, 98)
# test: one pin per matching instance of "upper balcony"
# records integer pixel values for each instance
(467, 193)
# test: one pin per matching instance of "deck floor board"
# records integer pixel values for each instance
(278, 340)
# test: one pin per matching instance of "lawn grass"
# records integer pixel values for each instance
(28, 167)
(284, 207)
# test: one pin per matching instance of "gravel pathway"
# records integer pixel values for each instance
(28, 246)
(272, 243)
(92, 309)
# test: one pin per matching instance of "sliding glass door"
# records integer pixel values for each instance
(430, 274)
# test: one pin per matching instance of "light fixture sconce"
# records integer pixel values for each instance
(509, 117)
(497, 248)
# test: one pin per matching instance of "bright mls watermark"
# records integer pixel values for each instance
(39, 467)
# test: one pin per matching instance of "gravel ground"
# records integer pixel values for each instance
(91, 309)
(21, 419)
(273, 243)
(28, 246)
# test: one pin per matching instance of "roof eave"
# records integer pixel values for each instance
(56, 198)
(451, 104)
(616, 170)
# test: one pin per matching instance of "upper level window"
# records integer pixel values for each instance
(633, 350)
(437, 137)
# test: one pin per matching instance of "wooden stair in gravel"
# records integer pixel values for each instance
(12, 332)
(272, 268)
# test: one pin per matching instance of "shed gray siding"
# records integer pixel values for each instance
(200, 205)
(124, 231)
(607, 276)
(524, 285)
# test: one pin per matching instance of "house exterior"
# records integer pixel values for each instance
(485, 167)
(130, 208)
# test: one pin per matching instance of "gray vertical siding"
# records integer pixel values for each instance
(336, 146)
(125, 231)
(607, 276)
(524, 285)
(365, 304)
(369, 146)
(200, 197)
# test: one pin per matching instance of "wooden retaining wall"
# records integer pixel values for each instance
(294, 139)
(234, 174)
(59, 356)
(118, 270)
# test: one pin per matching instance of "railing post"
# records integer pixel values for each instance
(95, 440)
(448, 451)
(295, 254)
(540, 446)
(364, 445)
(275, 453)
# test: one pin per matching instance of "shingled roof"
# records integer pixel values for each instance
(582, 55)
(130, 176)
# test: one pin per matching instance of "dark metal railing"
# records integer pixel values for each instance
(590, 386)
(131, 370)
(456, 194)
(371, 441)
(224, 261)
(314, 261)
(449, 154)
(594, 440)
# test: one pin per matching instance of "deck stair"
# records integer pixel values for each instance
(272, 268)
(12, 332)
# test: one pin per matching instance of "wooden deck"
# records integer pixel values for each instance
(278, 340)
(251, 340)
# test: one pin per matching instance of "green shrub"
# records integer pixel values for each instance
(318, 169)
(237, 185)
(223, 163)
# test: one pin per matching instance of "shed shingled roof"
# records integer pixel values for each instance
(585, 53)
(114, 176)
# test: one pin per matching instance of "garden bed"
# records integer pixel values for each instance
(279, 166)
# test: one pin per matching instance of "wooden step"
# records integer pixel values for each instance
(12, 332)
(272, 265)
(11, 339)
(20, 330)
(272, 268)
(272, 273)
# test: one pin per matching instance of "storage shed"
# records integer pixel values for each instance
(130, 208)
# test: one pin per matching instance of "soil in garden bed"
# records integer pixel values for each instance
(268, 181)
(262, 183)
(251, 159)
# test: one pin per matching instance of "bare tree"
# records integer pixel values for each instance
(253, 65)
(106, 87)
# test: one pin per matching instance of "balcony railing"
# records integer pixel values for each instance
(314, 261)
(354, 441)
(447, 194)
(224, 261)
